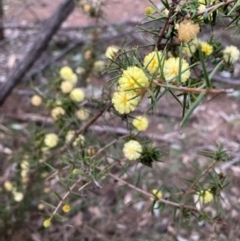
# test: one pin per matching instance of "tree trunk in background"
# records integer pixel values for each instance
(39, 45)
(1, 21)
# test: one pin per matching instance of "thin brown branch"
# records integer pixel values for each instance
(214, 7)
(190, 189)
(68, 193)
(97, 153)
(149, 195)
(165, 27)
(206, 91)
(192, 90)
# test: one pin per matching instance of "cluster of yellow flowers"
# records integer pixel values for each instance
(80, 140)
(134, 79)
(67, 87)
(25, 169)
(18, 196)
(67, 74)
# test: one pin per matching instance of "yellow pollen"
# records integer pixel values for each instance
(124, 99)
(174, 71)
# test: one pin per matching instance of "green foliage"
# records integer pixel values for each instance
(75, 158)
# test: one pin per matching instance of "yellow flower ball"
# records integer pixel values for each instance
(47, 223)
(8, 186)
(80, 140)
(67, 74)
(231, 54)
(140, 123)
(66, 87)
(18, 196)
(69, 136)
(206, 48)
(25, 179)
(152, 61)
(73, 78)
(86, 8)
(57, 112)
(133, 78)
(36, 100)
(77, 95)
(51, 140)
(132, 150)
(187, 31)
(24, 165)
(156, 193)
(80, 70)
(166, 12)
(75, 171)
(24, 173)
(98, 66)
(205, 196)
(125, 101)
(66, 208)
(40, 206)
(111, 52)
(82, 114)
(148, 10)
(189, 50)
(171, 69)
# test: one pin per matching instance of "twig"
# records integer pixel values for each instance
(94, 156)
(199, 178)
(168, 20)
(145, 193)
(209, 9)
(193, 90)
(40, 44)
(206, 91)
(68, 192)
